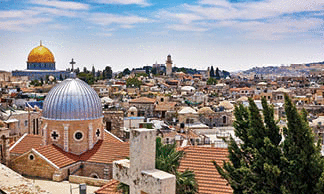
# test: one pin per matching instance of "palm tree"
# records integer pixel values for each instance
(168, 160)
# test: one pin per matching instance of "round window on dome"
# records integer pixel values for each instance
(78, 136)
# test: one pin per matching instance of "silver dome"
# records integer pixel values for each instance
(72, 99)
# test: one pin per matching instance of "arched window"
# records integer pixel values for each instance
(94, 175)
(224, 120)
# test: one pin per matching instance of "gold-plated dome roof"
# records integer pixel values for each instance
(41, 54)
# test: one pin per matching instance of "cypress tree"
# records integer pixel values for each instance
(254, 163)
(263, 163)
(302, 162)
(211, 72)
(217, 73)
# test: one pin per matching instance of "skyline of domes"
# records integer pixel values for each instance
(72, 99)
(40, 54)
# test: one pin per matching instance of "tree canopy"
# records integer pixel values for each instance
(264, 162)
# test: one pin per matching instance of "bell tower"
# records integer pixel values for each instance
(169, 66)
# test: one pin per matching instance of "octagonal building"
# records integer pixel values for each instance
(72, 117)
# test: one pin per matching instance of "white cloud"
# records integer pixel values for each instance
(58, 27)
(16, 14)
(56, 12)
(185, 18)
(277, 29)
(265, 19)
(22, 24)
(125, 2)
(62, 4)
(184, 27)
(221, 9)
(108, 19)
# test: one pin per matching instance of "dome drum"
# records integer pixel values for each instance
(40, 66)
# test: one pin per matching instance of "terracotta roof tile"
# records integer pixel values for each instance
(25, 143)
(199, 160)
(56, 155)
(104, 151)
(143, 100)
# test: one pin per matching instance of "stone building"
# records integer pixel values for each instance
(215, 119)
(22, 122)
(169, 66)
(41, 63)
(114, 122)
(144, 105)
(73, 140)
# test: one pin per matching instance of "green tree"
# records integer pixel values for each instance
(85, 70)
(254, 164)
(133, 82)
(46, 79)
(262, 164)
(154, 71)
(211, 81)
(302, 158)
(126, 71)
(211, 72)
(107, 72)
(93, 71)
(217, 74)
(87, 77)
(168, 160)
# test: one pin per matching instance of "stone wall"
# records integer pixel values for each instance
(87, 180)
(37, 167)
(102, 171)
(117, 122)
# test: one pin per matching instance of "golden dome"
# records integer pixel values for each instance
(40, 54)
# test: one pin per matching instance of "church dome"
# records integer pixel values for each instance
(40, 54)
(72, 99)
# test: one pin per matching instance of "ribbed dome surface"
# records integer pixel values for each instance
(72, 99)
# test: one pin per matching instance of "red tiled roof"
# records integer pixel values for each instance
(56, 155)
(104, 151)
(143, 100)
(109, 188)
(26, 143)
(199, 160)
(110, 138)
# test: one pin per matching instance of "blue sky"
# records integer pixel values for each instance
(233, 35)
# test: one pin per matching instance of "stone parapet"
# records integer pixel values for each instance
(87, 180)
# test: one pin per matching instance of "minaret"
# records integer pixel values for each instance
(169, 66)
(72, 63)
